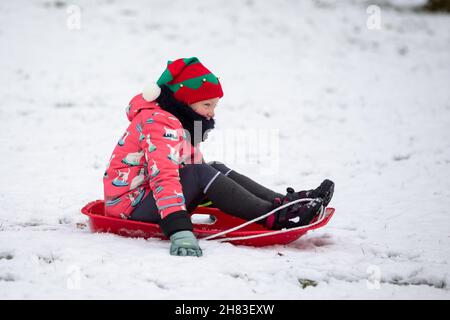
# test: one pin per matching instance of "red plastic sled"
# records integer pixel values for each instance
(222, 221)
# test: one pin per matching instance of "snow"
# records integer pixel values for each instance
(367, 108)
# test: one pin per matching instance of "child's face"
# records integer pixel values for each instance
(205, 108)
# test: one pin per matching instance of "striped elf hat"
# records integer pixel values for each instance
(188, 79)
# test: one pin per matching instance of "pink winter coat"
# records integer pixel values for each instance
(147, 159)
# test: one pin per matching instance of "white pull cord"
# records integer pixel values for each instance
(260, 218)
(322, 217)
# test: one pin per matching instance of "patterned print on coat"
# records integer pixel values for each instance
(136, 196)
(151, 146)
(133, 158)
(170, 134)
(173, 155)
(138, 180)
(122, 139)
(122, 179)
(112, 202)
(155, 170)
(139, 129)
(105, 175)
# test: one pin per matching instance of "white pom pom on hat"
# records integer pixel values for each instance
(151, 92)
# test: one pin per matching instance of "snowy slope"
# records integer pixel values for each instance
(367, 108)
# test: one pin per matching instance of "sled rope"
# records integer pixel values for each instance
(322, 216)
(272, 233)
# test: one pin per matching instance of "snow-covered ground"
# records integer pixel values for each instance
(366, 107)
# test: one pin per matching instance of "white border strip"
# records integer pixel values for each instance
(209, 183)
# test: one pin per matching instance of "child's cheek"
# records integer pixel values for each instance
(201, 111)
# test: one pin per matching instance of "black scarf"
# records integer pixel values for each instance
(184, 113)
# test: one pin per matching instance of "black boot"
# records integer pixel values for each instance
(324, 191)
(299, 214)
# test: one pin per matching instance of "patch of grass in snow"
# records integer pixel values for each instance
(30, 224)
(7, 277)
(438, 284)
(55, 4)
(241, 276)
(81, 225)
(64, 220)
(324, 4)
(158, 284)
(6, 256)
(48, 259)
(401, 157)
(305, 283)
(64, 105)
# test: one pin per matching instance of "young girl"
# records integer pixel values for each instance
(157, 173)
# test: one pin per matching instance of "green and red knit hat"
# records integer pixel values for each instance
(188, 79)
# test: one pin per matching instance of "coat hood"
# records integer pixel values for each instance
(137, 104)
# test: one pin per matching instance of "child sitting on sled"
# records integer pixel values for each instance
(157, 174)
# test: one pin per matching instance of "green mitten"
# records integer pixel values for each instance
(184, 243)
